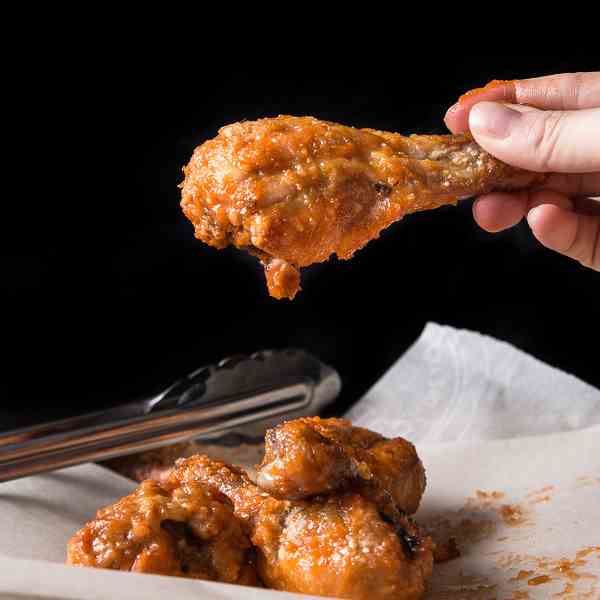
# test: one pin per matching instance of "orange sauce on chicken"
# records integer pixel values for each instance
(488, 86)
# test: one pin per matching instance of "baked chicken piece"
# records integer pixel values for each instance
(295, 190)
(332, 545)
(311, 456)
(181, 528)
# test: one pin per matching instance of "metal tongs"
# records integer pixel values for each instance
(236, 399)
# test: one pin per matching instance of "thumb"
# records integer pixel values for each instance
(539, 140)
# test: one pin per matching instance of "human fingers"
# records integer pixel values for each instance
(539, 140)
(570, 233)
(500, 210)
(457, 116)
(573, 184)
(567, 91)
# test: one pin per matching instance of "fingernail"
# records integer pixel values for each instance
(534, 215)
(452, 109)
(492, 119)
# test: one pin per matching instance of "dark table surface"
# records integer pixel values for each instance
(108, 295)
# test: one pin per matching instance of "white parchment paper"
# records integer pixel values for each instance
(512, 451)
(455, 385)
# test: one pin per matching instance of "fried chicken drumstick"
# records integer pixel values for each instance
(295, 190)
(311, 456)
(333, 545)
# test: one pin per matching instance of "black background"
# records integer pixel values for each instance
(107, 295)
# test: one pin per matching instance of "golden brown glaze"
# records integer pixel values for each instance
(335, 545)
(295, 190)
(180, 528)
(310, 456)
(495, 83)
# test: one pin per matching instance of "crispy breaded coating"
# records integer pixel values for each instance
(337, 544)
(181, 528)
(295, 190)
(311, 456)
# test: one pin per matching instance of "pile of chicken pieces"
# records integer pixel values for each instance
(328, 515)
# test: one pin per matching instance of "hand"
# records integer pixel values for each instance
(548, 124)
